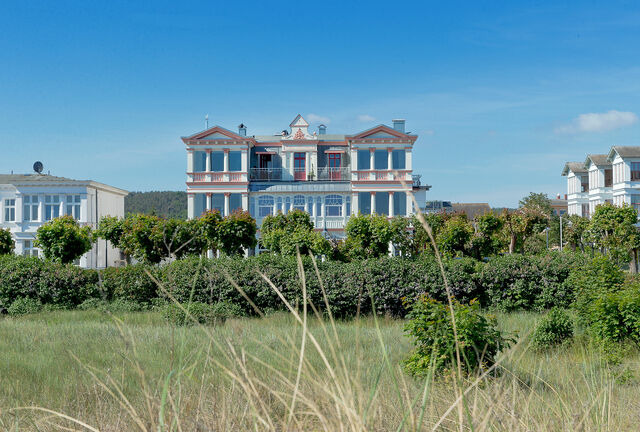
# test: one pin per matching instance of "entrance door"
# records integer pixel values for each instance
(299, 166)
(334, 166)
(266, 166)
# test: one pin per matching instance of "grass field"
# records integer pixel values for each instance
(135, 372)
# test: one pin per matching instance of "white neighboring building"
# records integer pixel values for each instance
(27, 201)
(577, 188)
(600, 180)
(626, 175)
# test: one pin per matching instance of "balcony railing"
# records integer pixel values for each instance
(333, 174)
(266, 174)
(383, 175)
(217, 176)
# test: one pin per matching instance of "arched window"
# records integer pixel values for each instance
(287, 204)
(333, 205)
(298, 202)
(279, 205)
(265, 206)
(310, 205)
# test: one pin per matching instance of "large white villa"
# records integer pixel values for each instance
(29, 200)
(613, 177)
(330, 176)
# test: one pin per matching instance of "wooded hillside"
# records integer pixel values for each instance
(170, 204)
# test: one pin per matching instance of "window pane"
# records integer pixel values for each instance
(381, 159)
(398, 159)
(217, 161)
(382, 203)
(364, 160)
(217, 202)
(235, 202)
(364, 202)
(235, 161)
(400, 204)
(199, 161)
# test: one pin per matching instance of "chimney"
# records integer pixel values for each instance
(398, 124)
(322, 130)
(558, 197)
(242, 130)
(565, 196)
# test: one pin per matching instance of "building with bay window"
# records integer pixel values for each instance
(613, 177)
(29, 200)
(330, 176)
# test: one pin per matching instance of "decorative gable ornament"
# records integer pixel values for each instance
(299, 130)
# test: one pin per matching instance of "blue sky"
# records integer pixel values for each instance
(501, 94)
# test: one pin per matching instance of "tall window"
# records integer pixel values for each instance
(400, 204)
(235, 202)
(28, 249)
(364, 202)
(265, 206)
(199, 161)
(217, 202)
(235, 161)
(398, 159)
(30, 207)
(10, 210)
(333, 205)
(51, 207)
(381, 159)
(298, 202)
(334, 166)
(364, 160)
(299, 162)
(217, 161)
(73, 206)
(635, 171)
(310, 205)
(608, 178)
(382, 203)
(635, 202)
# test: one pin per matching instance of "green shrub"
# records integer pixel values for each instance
(555, 328)
(7, 244)
(25, 305)
(131, 283)
(529, 282)
(115, 306)
(202, 313)
(431, 331)
(48, 282)
(615, 316)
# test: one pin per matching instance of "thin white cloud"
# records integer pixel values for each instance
(598, 122)
(313, 118)
(365, 118)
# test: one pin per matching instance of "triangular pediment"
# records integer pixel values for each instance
(380, 131)
(299, 121)
(216, 132)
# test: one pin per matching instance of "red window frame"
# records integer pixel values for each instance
(299, 166)
(334, 165)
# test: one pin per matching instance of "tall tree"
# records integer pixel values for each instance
(613, 230)
(63, 240)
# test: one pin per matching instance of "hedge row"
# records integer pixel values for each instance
(511, 282)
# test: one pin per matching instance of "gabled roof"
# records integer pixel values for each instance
(299, 121)
(213, 130)
(377, 129)
(46, 179)
(575, 167)
(599, 160)
(624, 152)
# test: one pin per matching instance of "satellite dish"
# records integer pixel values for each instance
(38, 167)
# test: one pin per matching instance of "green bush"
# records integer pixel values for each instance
(115, 306)
(615, 316)
(529, 282)
(555, 328)
(431, 330)
(131, 283)
(25, 305)
(202, 313)
(47, 282)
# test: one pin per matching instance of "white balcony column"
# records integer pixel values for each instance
(245, 201)
(244, 158)
(190, 164)
(19, 206)
(389, 158)
(191, 208)
(207, 201)
(323, 213)
(409, 204)
(408, 164)
(226, 203)
(41, 208)
(208, 164)
(355, 204)
(344, 208)
(226, 160)
(372, 161)
(391, 202)
(373, 202)
(307, 164)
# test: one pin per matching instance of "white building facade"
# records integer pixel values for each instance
(577, 188)
(30, 200)
(329, 176)
(600, 180)
(626, 175)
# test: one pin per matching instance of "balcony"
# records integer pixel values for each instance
(334, 174)
(266, 174)
(382, 175)
(217, 176)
